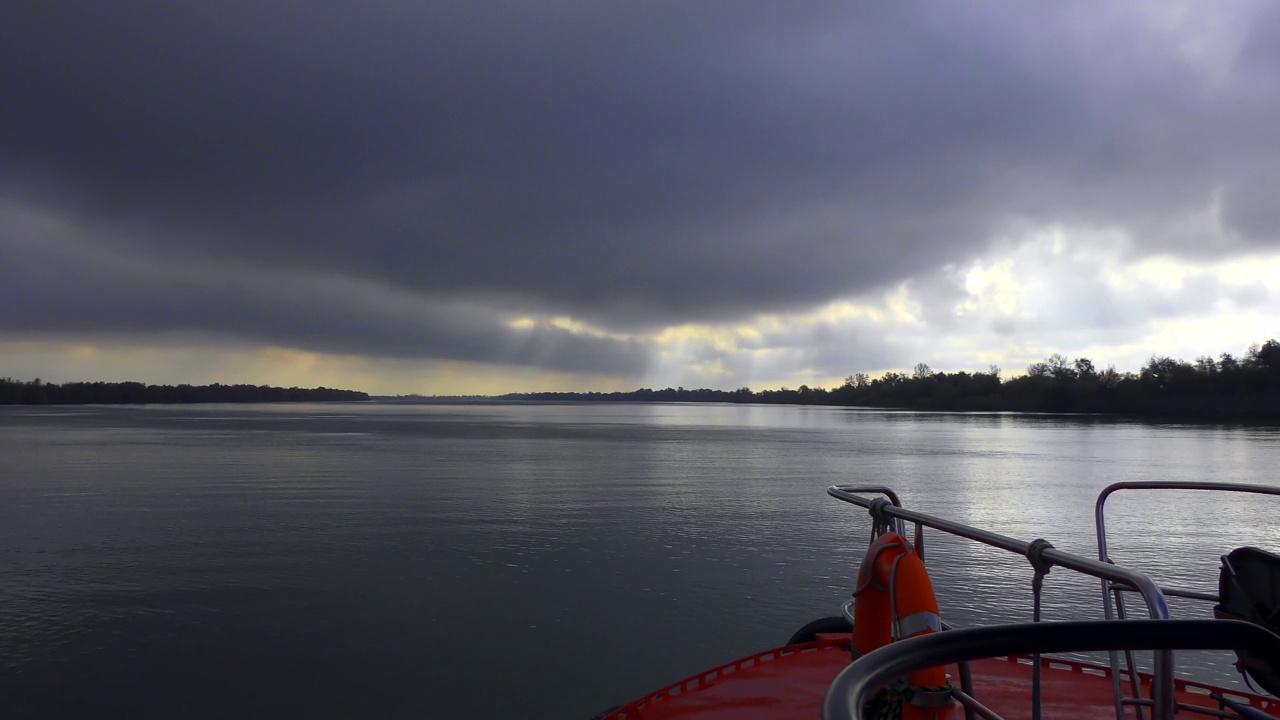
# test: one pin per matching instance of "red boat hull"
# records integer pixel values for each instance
(791, 681)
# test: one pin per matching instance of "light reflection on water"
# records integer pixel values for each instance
(533, 561)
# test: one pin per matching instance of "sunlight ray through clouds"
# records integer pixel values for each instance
(1078, 293)
(617, 195)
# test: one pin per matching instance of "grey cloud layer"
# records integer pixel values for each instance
(53, 284)
(635, 164)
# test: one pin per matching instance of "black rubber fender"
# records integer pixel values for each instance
(809, 632)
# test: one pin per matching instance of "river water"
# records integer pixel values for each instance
(531, 561)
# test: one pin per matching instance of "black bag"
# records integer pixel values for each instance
(1249, 589)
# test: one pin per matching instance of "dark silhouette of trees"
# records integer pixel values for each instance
(1084, 368)
(37, 392)
(858, 380)
(1246, 388)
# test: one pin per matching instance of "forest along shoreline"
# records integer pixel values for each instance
(38, 392)
(1226, 387)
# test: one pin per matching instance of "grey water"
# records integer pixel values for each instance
(539, 561)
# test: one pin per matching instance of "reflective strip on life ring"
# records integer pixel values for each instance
(918, 623)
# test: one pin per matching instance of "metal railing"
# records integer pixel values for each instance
(1113, 590)
(1151, 593)
(1040, 554)
(848, 694)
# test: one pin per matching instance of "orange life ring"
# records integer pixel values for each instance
(894, 600)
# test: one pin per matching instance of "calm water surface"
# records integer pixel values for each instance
(528, 561)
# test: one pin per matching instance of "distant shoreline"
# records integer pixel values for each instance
(36, 392)
(1265, 409)
(1245, 389)
(1227, 388)
(1266, 414)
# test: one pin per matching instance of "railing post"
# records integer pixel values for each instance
(1113, 607)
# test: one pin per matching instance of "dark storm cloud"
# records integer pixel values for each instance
(635, 164)
(53, 284)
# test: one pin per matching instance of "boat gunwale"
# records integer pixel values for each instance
(702, 679)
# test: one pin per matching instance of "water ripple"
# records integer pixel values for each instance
(392, 560)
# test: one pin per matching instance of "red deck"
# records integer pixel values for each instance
(790, 682)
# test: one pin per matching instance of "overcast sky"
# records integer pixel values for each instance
(509, 195)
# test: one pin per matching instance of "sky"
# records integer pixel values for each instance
(492, 196)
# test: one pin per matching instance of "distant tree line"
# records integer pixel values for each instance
(37, 392)
(1247, 388)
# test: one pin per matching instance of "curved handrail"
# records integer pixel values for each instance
(856, 683)
(1113, 606)
(877, 490)
(1099, 508)
(1150, 592)
(1108, 573)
